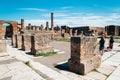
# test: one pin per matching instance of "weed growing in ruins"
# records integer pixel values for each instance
(27, 63)
(45, 54)
(62, 39)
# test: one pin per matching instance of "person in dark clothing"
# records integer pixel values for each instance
(101, 47)
(111, 41)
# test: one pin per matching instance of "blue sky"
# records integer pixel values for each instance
(66, 12)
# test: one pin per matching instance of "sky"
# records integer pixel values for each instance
(74, 13)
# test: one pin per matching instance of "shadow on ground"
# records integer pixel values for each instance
(62, 66)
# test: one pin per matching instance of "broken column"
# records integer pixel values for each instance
(84, 55)
(41, 44)
(22, 23)
(52, 21)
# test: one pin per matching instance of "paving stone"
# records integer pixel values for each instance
(113, 77)
(96, 75)
(3, 69)
(117, 72)
(7, 78)
(5, 58)
(111, 63)
(106, 69)
(18, 71)
(107, 55)
(48, 71)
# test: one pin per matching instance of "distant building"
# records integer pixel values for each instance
(113, 30)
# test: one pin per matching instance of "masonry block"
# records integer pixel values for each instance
(85, 55)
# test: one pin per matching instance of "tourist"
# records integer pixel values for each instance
(111, 41)
(101, 47)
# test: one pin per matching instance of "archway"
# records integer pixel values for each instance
(8, 31)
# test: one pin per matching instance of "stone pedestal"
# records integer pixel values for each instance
(41, 44)
(85, 55)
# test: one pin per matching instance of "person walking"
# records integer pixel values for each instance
(111, 41)
(101, 47)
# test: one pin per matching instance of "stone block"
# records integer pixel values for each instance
(41, 43)
(84, 55)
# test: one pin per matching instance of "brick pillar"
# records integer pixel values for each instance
(16, 42)
(23, 45)
(52, 21)
(84, 55)
(22, 23)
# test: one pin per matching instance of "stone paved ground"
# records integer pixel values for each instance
(13, 68)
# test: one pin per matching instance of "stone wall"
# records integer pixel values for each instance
(85, 55)
(41, 43)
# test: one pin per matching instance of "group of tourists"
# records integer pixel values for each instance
(102, 44)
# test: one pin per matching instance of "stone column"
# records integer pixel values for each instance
(29, 25)
(52, 21)
(22, 23)
(84, 55)
(47, 26)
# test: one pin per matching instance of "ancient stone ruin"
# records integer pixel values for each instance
(41, 43)
(84, 55)
(35, 43)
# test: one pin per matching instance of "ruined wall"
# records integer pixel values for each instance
(41, 43)
(113, 30)
(98, 30)
(84, 54)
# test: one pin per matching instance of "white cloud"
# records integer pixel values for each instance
(66, 7)
(80, 20)
(33, 9)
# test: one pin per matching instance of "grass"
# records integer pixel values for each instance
(62, 39)
(27, 63)
(45, 54)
